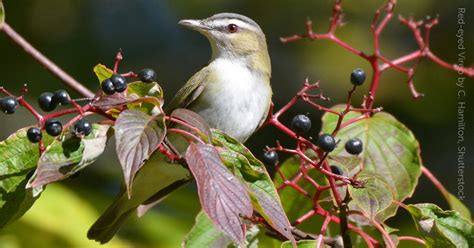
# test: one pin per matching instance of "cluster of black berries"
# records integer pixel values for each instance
(48, 101)
(353, 146)
(117, 83)
(54, 128)
(8, 104)
(326, 142)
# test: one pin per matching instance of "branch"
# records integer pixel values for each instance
(436, 182)
(410, 238)
(43, 60)
(379, 63)
(378, 226)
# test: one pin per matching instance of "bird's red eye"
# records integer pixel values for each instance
(232, 28)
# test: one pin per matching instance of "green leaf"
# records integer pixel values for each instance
(393, 238)
(146, 92)
(18, 157)
(205, 234)
(237, 155)
(65, 157)
(442, 228)
(102, 72)
(2, 14)
(390, 150)
(349, 164)
(302, 244)
(456, 205)
(137, 136)
(262, 192)
(296, 203)
(349, 167)
(374, 197)
(142, 89)
(390, 229)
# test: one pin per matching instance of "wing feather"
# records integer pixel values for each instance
(190, 91)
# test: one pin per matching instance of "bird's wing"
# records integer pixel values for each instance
(190, 91)
(265, 116)
(154, 181)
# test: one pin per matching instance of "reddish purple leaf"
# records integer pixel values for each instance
(106, 102)
(223, 197)
(137, 136)
(194, 120)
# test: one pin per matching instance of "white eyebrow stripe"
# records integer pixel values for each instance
(236, 22)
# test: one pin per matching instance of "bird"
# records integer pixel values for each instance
(232, 94)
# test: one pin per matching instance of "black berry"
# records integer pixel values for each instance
(300, 124)
(8, 104)
(119, 82)
(357, 76)
(45, 101)
(336, 170)
(354, 146)
(147, 75)
(83, 127)
(34, 134)
(326, 142)
(53, 127)
(108, 87)
(61, 97)
(270, 158)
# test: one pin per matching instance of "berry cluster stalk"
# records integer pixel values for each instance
(379, 64)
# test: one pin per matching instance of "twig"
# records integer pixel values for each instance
(435, 181)
(43, 60)
(378, 226)
(410, 238)
(346, 238)
(384, 14)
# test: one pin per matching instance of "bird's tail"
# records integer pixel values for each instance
(110, 222)
(155, 180)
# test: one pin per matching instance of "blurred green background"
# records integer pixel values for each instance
(79, 34)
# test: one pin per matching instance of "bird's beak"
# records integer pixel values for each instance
(197, 25)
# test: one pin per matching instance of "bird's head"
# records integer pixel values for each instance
(231, 35)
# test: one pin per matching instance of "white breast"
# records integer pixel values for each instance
(236, 100)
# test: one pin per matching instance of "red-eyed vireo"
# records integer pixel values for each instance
(232, 94)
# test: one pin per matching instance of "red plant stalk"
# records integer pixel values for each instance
(379, 64)
(44, 61)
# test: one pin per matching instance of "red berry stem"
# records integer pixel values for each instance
(379, 63)
(186, 135)
(129, 74)
(118, 59)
